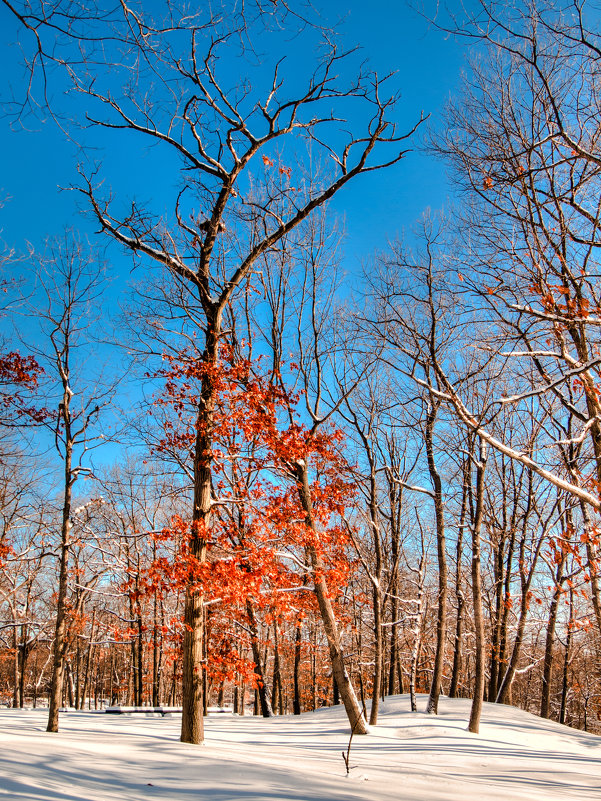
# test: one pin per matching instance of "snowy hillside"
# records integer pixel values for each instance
(409, 757)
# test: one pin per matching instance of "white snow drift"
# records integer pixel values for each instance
(408, 757)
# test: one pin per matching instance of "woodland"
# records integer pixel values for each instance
(261, 482)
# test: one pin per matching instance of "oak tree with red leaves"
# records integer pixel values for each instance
(266, 528)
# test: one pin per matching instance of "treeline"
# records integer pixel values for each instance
(337, 492)
(124, 642)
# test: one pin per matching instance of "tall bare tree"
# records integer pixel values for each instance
(66, 305)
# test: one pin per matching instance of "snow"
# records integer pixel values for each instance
(407, 757)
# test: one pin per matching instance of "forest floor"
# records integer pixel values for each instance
(407, 757)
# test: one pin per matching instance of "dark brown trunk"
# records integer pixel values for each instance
(16, 660)
(395, 678)
(441, 620)
(60, 632)
(262, 690)
(277, 695)
(193, 661)
(479, 679)
(23, 656)
(378, 656)
(296, 704)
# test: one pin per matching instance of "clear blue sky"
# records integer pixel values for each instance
(36, 161)
(377, 207)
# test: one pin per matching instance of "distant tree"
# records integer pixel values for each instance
(66, 305)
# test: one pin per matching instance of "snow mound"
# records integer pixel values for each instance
(406, 757)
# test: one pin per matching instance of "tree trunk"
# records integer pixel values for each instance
(139, 655)
(417, 631)
(87, 673)
(193, 663)
(16, 661)
(504, 694)
(345, 688)
(157, 649)
(441, 622)
(60, 643)
(70, 684)
(458, 645)
(565, 685)
(503, 568)
(479, 679)
(545, 708)
(262, 690)
(277, 695)
(296, 704)
(378, 656)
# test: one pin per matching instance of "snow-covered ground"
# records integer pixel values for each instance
(408, 757)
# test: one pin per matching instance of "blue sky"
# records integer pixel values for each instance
(38, 160)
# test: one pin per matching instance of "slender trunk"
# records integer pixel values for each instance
(205, 657)
(565, 684)
(87, 673)
(476, 711)
(360, 675)
(347, 693)
(396, 505)
(500, 654)
(497, 616)
(262, 691)
(60, 633)
(395, 678)
(157, 649)
(314, 666)
(277, 695)
(133, 646)
(457, 650)
(441, 624)
(545, 705)
(377, 677)
(504, 694)
(70, 684)
(78, 677)
(139, 655)
(296, 706)
(418, 631)
(16, 662)
(503, 567)
(497, 622)
(378, 656)
(23, 656)
(592, 558)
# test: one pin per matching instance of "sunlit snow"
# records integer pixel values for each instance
(408, 757)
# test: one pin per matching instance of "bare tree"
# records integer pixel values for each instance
(522, 139)
(70, 284)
